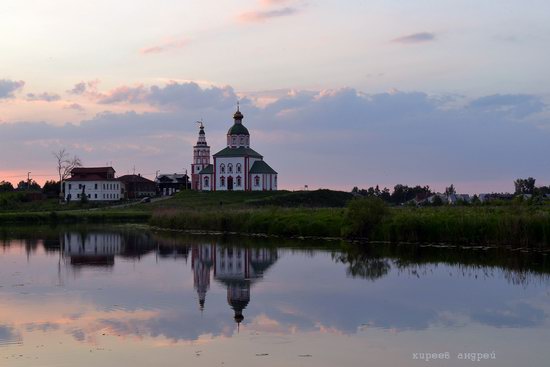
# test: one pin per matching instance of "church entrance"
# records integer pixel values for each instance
(230, 183)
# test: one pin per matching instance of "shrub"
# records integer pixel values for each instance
(363, 216)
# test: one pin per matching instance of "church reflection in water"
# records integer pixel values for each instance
(237, 268)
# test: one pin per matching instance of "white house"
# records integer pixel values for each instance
(236, 167)
(97, 183)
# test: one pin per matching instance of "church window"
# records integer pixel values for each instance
(230, 168)
(222, 181)
(222, 168)
(238, 168)
(257, 181)
(238, 180)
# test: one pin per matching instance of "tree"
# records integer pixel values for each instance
(83, 196)
(6, 186)
(51, 189)
(524, 185)
(65, 165)
(28, 185)
(362, 216)
(450, 190)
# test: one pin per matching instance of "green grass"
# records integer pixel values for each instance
(319, 214)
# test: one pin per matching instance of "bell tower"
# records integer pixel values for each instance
(201, 157)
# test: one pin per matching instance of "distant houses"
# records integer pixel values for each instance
(169, 184)
(137, 186)
(93, 184)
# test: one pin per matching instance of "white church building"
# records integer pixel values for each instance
(235, 168)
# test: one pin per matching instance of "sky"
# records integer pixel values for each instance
(336, 94)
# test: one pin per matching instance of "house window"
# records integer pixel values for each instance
(222, 181)
(257, 181)
(242, 140)
(234, 141)
(238, 168)
(95, 187)
(222, 168)
(206, 182)
(275, 180)
(79, 186)
(230, 168)
(95, 196)
(78, 196)
(70, 186)
(238, 180)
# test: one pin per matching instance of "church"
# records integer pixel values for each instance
(235, 168)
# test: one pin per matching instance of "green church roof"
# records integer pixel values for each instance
(261, 167)
(238, 129)
(207, 170)
(238, 152)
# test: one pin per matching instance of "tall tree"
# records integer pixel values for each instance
(6, 186)
(524, 185)
(450, 190)
(65, 165)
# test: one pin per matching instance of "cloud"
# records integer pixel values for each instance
(169, 45)
(75, 107)
(46, 97)
(172, 96)
(84, 87)
(261, 16)
(390, 138)
(415, 38)
(273, 2)
(9, 87)
(519, 105)
(124, 94)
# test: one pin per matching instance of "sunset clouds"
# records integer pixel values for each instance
(9, 87)
(413, 92)
(165, 46)
(408, 137)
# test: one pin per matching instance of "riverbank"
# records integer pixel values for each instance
(321, 213)
(504, 225)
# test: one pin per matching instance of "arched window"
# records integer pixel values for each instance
(230, 168)
(222, 168)
(238, 180)
(238, 168)
(256, 180)
(234, 141)
(222, 181)
(242, 140)
(206, 182)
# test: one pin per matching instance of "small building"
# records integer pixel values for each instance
(97, 183)
(169, 184)
(137, 186)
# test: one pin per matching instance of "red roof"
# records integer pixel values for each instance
(90, 178)
(80, 170)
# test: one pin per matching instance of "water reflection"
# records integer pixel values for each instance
(235, 267)
(139, 290)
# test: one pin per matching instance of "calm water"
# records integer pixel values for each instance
(122, 297)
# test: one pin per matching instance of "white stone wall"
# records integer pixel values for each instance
(234, 161)
(206, 183)
(95, 190)
(266, 182)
